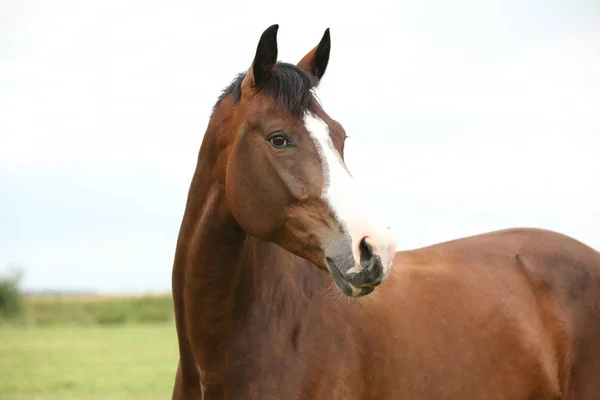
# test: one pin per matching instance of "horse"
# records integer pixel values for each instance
(287, 283)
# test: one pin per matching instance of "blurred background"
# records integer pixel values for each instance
(465, 116)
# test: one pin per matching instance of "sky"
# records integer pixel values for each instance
(464, 117)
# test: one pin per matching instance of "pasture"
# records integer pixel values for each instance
(89, 348)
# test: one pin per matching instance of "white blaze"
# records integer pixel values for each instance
(347, 199)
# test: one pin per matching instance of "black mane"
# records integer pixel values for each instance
(286, 83)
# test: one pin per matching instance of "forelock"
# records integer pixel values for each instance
(286, 84)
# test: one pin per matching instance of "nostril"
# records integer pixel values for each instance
(372, 273)
(365, 247)
(366, 253)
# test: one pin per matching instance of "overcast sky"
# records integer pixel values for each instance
(470, 116)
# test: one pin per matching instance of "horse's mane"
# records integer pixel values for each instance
(286, 83)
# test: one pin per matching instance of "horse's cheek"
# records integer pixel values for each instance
(248, 192)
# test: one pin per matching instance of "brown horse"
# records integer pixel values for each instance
(274, 223)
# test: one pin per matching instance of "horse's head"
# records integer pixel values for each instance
(284, 173)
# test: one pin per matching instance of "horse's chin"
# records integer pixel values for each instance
(353, 291)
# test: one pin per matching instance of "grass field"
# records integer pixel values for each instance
(98, 310)
(71, 349)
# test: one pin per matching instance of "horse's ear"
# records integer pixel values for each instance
(265, 58)
(316, 60)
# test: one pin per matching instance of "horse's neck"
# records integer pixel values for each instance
(219, 272)
(232, 268)
(212, 277)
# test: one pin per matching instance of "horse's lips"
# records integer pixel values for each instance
(343, 285)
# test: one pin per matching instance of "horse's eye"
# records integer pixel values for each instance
(278, 141)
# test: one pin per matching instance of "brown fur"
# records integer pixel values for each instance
(512, 315)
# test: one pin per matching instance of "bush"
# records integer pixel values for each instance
(11, 300)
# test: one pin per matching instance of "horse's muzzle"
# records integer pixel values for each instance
(360, 277)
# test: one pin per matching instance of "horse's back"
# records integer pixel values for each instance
(550, 282)
(565, 276)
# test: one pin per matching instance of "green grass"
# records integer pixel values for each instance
(70, 361)
(93, 347)
(97, 310)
